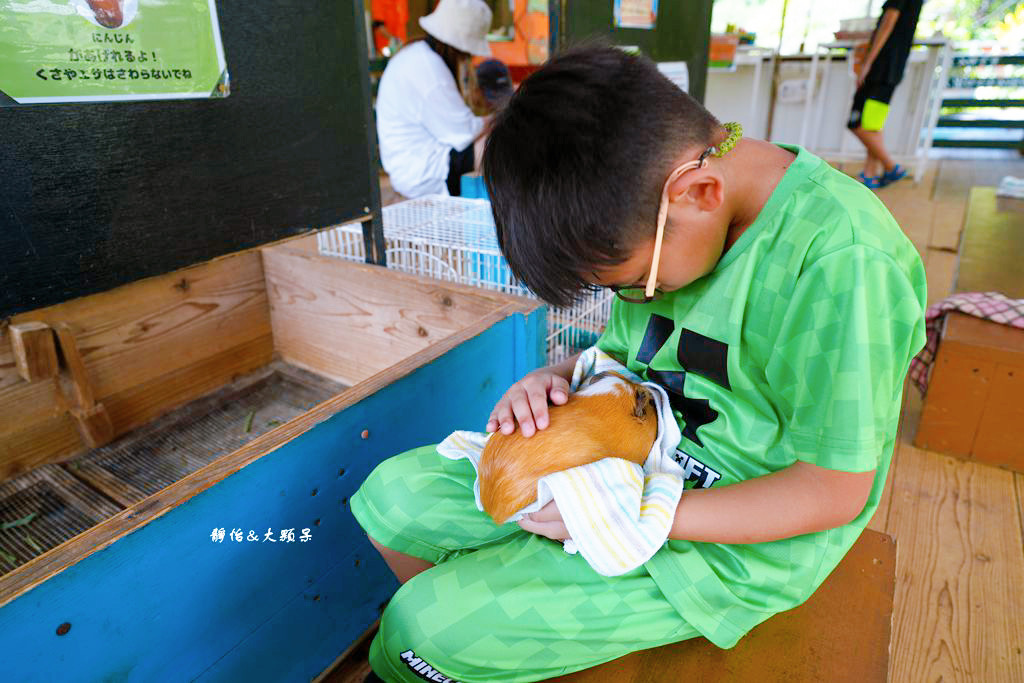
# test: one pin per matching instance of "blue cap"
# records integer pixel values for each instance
(493, 79)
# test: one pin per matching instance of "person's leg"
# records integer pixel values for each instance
(460, 162)
(854, 124)
(867, 118)
(875, 145)
(403, 566)
(872, 166)
(876, 109)
(418, 508)
(873, 102)
(519, 610)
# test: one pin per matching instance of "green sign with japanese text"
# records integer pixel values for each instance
(107, 50)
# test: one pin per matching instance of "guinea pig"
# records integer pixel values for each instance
(609, 416)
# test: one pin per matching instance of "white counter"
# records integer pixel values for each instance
(819, 122)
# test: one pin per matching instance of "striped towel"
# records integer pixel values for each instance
(617, 513)
(985, 305)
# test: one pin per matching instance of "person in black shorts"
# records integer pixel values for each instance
(877, 77)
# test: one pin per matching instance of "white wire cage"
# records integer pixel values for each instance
(453, 239)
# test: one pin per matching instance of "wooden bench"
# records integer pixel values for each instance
(840, 634)
(973, 409)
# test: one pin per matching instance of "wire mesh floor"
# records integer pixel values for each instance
(52, 503)
(41, 509)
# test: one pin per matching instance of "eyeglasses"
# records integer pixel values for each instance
(636, 295)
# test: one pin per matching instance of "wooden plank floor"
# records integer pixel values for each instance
(959, 526)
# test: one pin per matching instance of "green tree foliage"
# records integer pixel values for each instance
(963, 20)
(811, 22)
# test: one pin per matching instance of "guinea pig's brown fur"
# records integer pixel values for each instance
(620, 422)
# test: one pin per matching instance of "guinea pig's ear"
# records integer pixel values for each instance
(595, 378)
(642, 402)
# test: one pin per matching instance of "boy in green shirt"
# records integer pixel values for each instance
(773, 297)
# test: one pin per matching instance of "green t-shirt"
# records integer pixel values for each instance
(794, 347)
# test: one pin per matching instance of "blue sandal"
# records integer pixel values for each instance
(870, 182)
(889, 177)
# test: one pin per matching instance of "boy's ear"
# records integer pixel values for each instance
(703, 191)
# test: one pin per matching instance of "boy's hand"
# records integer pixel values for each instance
(861, 70)
(526, 401)
(546, 522)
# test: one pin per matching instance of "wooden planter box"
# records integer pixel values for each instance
(252, 393)
(973, 407)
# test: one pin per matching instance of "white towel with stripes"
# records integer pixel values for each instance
(617, 513)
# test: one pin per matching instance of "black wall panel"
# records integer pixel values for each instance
(93, 196)
(682, 32)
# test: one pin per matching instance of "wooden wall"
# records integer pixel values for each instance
(348, 321)
(151, 346)
(146, 348)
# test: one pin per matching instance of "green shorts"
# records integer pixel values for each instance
(501, 604)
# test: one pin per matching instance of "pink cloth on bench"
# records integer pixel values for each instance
(985, 305)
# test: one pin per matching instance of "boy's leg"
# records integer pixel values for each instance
(403, 566)
(867, 118)
(854, 124)
(420, 508)
(519, 610)
(875, 145)
(873, 166)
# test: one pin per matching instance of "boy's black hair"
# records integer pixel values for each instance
(575, 164)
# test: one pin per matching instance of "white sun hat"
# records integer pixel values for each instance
(463, 24)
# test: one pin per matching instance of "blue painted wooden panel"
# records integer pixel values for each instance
(168, 603)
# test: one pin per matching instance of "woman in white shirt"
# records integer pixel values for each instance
(427, 134)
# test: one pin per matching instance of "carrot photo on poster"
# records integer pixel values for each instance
(110, 50)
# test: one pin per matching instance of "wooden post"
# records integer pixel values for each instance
(34, 352)
(92, 418)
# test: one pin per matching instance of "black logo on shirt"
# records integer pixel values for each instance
(696, 354)
(696, 471)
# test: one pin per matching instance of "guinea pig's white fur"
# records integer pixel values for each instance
(609, 416)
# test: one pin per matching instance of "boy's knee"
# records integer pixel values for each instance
(382, 487)
(415, 635)
(397, 483)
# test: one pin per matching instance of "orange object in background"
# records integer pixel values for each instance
(523, 53)
(528, 48)
(722, 52)
(395, 15)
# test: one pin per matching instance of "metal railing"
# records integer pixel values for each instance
(1000, 121)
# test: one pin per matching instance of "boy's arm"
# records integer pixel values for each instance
(885, 28)
(799, 499)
